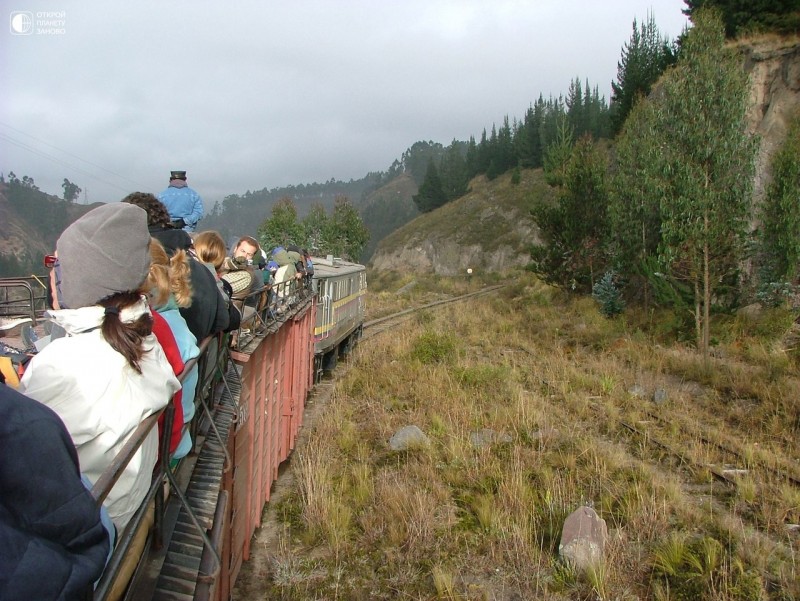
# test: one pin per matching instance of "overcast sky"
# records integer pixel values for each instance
(252, 94)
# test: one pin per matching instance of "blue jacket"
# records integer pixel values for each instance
(183, 203)
(187, 343)
(52, 543)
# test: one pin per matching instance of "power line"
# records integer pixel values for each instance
(54, 159)
(67, 152)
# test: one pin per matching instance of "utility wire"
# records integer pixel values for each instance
(67, 152)
(50, 157)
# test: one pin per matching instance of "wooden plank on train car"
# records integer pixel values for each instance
(274, 416)
(270, 456)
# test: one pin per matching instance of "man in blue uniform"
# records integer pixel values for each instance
(184, 204)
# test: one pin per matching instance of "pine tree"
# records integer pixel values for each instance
(780, 215)
(431, 194)
(573, 230)
(453, 172)
(782, 16)
(575, 112)
(644, 58)
(558, 153)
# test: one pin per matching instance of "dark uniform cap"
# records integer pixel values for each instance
(177, 175)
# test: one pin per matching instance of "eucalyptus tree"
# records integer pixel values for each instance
(634, 210)
(282, 227)
(348, 234)
(316, 228)
(705, 175)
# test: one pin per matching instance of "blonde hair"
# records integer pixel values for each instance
(209, 247)
(169, 275)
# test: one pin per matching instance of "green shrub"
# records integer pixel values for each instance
(608, 295)
(432, 347)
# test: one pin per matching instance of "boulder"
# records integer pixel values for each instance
(583, 539)
(408, 437)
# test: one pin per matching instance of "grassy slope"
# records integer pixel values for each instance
(488, 215)
(455, 521)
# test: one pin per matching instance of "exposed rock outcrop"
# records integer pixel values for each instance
(774, 67)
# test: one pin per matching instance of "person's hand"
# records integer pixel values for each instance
(178, 223)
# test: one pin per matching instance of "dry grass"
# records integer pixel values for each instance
(547, 380)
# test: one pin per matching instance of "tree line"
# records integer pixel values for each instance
(514, 144)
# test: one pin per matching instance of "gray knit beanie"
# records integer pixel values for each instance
(104, 252)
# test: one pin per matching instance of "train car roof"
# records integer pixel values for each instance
(324, 267)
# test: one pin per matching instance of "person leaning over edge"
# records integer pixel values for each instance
(184, 204)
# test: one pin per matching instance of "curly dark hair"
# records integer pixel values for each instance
(157, 214)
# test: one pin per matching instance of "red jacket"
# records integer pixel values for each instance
(166, 339)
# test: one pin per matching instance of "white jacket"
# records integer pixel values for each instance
(102, 400)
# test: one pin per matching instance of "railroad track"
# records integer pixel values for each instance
(780, 473)
(682, 448)
(695, 453)
(381, 324)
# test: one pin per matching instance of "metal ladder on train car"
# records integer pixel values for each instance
(190, 569)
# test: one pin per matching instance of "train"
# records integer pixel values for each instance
(192, 533)
(341, 289)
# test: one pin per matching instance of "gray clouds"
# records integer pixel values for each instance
(253, 94)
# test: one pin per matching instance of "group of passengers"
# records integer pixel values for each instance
(134, 295)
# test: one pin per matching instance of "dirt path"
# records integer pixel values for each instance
(255, 573)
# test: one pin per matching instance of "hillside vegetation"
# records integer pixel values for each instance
(533, 405)
(487, 229)
(30, 223)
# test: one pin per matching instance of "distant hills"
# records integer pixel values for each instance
(30, 223)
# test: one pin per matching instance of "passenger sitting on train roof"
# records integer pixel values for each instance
(209, 249)
(53, 544)
(159, 223)
(285, 276)
(109, 372)
(239, 263)
(169, 288)
(209, 311)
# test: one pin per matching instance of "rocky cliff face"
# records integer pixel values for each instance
(774, 68)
